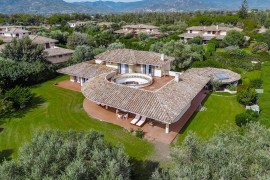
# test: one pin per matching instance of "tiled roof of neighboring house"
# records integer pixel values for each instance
(140, 26)
(205, 37)
(213, 73)
(58, 51)
(6, 39)
(105, 23)
(163, 105)
(128, 56)
(213, 28)
(86, 70)
(122, 31)
(41, 40)
(15, 31)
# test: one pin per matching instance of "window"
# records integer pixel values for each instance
(208, 32)
(190, 31)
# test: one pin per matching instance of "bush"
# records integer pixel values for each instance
(260, 47)
(256, 83)
(19, 96)
(207, 63)
(232, 87)
(235, 51)
(196, 40)
(247, 96)
(234, 38)
(211, 48)
(246, 117)
(139, 133)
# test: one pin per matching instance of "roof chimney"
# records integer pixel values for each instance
(177, 77)
(217, 27)
(162, 58)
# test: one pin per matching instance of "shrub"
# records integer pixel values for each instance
(19, 96)
(246, 117)
(256, 83)
(211, 48)
(196, 40)
(235, 51)
(139, 133)
(232, 87)
(234, 38)
(247, 96)
(207, 63)
(260, 47)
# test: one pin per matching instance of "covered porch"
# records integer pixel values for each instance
(153, 130)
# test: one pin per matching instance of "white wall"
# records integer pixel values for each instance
(223, 33)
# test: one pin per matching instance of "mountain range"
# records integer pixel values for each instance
(60, 6)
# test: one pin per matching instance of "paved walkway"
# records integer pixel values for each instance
(67, 84)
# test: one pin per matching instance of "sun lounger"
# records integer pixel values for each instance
(141, 122)
(136, 119)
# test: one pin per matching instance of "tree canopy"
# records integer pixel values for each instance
(232, 154)
(67, 155)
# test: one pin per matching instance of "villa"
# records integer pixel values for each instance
(140, 85)
(9, 32)
(74, 24)
(207, 32)
(54, 54)
(139, 28)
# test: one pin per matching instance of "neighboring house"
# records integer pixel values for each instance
(122, 79)
(108, 24)
(139, 28)
(77, 24)
(9, 32)
(207, 32)
(54, 54)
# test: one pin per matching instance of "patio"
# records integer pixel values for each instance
(155, 132)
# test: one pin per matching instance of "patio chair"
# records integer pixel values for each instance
(119, 116)
(141, 122)
(125, 116)
(136, 119)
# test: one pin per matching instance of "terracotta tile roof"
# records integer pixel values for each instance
(41, 40)
(212, 72)
(58, 51)
(85, 70)
(15, 30)
(213, 28)
(163, 105)
(140, 26)
(128, 56)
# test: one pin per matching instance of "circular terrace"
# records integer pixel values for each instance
(135, 80)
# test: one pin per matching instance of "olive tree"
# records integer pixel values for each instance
(234, 38)
(230, 154)
(67, 155)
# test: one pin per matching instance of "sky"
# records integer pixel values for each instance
(103, 0)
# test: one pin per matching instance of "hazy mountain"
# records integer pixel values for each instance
(40, 6)
(60, 6)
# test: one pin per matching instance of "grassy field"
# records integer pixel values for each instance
(264, 99)
(248, 76)
(220, 113)
(57, 108)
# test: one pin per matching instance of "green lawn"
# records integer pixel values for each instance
(62, 109)
(220, 113)
(248, 76)
(264, 99)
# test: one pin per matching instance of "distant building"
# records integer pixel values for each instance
(54, 54)
(105, 24)
(9, 32)
(139, 28)
(77, 24)
(207, 32)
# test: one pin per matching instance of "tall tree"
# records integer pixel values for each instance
(230, 154)
(243, 11)
(68, 155)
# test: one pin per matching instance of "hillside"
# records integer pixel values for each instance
(40, 7)
(60, 6)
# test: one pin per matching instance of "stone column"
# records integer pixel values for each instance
(167, 130)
